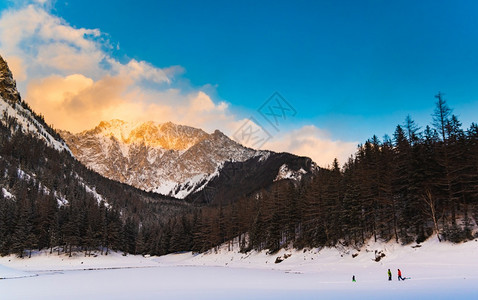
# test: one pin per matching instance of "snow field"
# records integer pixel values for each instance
(438, 271)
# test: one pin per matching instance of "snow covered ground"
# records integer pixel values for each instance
(437, 271)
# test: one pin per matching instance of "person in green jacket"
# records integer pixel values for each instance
(389, 275)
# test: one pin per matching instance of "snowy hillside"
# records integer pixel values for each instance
(11, 107)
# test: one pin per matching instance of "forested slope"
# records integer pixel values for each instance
(404, 188)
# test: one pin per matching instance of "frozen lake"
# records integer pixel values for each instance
(181, 282)
(437, 271)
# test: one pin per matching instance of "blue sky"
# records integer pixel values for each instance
(365, 64)
(349, 68)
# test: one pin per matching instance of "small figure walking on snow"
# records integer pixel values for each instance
(400, 275)
(389, 275)
(353, 278)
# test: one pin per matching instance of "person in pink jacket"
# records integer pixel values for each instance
(400, 275)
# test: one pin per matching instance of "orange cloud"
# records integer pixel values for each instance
(15, 64)
(76, 103)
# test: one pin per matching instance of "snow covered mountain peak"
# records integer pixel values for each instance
(167, 136)
(167, 158)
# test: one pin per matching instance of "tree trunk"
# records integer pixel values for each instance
(431, 205)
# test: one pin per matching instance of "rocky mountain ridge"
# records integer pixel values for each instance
(165, 158)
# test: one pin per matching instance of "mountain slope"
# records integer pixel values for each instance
(241, 179)
(12, 108)
(49, 199)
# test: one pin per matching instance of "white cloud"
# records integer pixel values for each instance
(315, 143)
(46, 44)
(143, 70)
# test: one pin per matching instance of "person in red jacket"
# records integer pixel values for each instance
(400, 275)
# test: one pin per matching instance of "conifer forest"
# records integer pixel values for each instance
(418, 182)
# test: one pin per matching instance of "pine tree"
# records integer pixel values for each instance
(313, 233)
(139, 246)
(23, 229)
(441, 116)
(441, 119)
(199, 234)
(8, 215)
(411, 130)
(257, 232)
(388, 225)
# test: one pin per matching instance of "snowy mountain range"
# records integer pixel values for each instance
(165, 158)
(34, 157)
